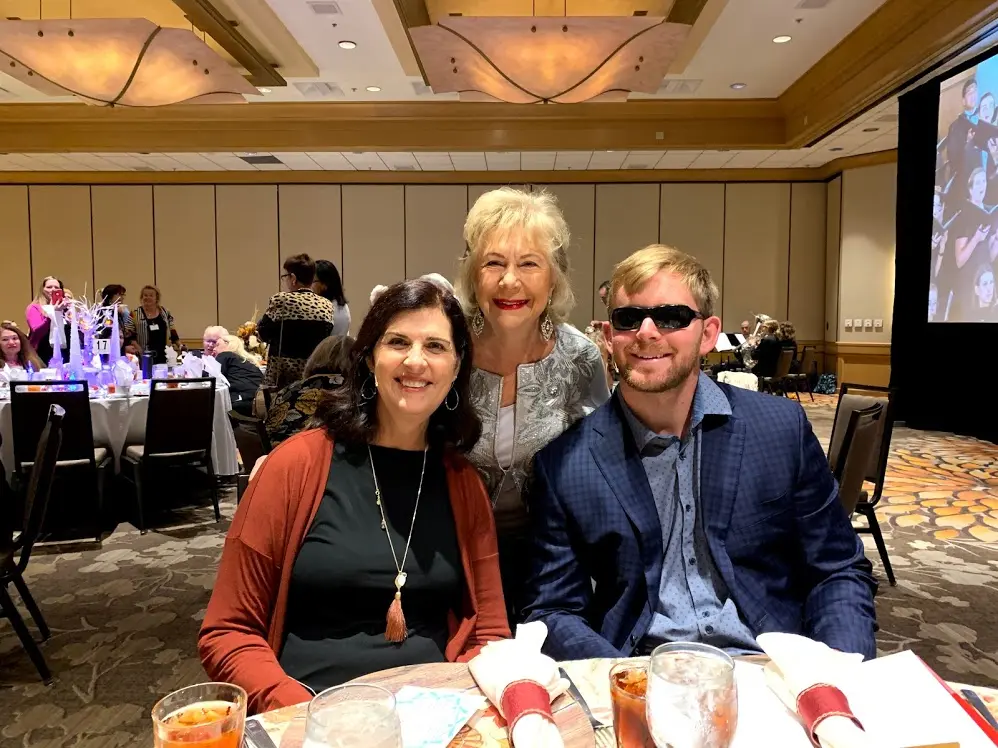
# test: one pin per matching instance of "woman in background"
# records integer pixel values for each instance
(115, 294)
(295, 405)
(17, 349)
(534, 374)
(787, 335)
(152, 327)
(327, 284)
(242, 370)
(40, 323)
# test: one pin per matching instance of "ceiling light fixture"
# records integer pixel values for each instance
(783, 39)
(347, 44)
(263, 90)
(374, 89)
(547, 59)
(118, 62)
(835, 148)
(871, 129)
(738, 86)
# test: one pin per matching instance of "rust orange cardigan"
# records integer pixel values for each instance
(244, 625)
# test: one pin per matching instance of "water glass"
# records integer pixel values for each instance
(208, 715)
(353, 716)
(692, 700)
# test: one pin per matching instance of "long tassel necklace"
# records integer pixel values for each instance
(396, 630)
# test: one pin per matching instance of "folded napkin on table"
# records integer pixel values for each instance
(214, 369)
(798, 668)
(191, 368)
(519, 663)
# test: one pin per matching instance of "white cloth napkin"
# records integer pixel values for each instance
(510, 660)
(797, 663)
(214, 369)
(192, 367)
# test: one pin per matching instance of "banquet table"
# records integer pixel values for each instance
(121, 421)
(486, 729)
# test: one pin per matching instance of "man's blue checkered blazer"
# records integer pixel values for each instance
(777, 532)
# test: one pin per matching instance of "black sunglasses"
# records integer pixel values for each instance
(665, 317)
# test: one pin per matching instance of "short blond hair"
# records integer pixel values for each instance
(640, 267)
(504, 211)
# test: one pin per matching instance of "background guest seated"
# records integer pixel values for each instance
(294, 406)
(242, 371)
(375, 551)
(17, 349)
(767, 352)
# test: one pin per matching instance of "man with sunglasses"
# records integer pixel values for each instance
(685, 510)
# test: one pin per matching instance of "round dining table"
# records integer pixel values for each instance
(486, 729)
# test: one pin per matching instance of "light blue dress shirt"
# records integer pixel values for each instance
(694, 603)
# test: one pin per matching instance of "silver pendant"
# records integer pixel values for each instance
(400, 580)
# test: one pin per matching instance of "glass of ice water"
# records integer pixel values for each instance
(353, 716)
(692, 700)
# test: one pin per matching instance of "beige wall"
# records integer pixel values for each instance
(215, 252)
(866, 259)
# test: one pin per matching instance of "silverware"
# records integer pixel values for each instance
(255, 736)
(574, 691)
(979, 705)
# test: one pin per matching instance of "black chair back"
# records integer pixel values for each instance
(784, 362)
(30, 403)
(808, 361)
(850, 400)
(859, 445)
(40, 485)
(251, 438)
(181, 417)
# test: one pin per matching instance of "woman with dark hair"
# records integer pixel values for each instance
(327, 284)
(369, 543)
(296, 321)
(295, 405)
(111, 294)
(17, 349)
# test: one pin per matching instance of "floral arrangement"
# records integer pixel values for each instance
(247, 333)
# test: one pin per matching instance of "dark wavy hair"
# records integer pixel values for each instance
(349, 417)
(331, 356)
(327, 274)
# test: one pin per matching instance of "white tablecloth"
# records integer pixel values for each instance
(121, 421)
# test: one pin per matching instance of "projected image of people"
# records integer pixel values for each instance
(964, 220)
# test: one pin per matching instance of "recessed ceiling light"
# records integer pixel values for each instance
(835, 148)
(347, 44)
(374, 89)
(871, 129)
(261, 89)
(781, 39)
(738, 86)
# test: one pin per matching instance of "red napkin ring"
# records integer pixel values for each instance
(522, 697)
(819, 702)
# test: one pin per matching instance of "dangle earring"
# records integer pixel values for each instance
(547, 324)
(457, 400)
(364, 396)
(478, 322)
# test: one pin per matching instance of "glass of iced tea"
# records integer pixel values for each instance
(354, 715)
(628, 684)
(208, 715)
(692, 698)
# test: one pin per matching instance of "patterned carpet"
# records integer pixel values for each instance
(124, 617)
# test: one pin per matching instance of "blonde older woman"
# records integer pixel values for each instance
(534, 374)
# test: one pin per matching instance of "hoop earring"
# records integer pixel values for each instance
(364, 397)
(478, 322)
(547, 326)
(457, 400)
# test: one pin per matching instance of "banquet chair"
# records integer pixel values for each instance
(858, 444)
(808, 367)
(252, 442)
(876, 468)
(29, 406)
(12, 571)
(778, 380)
(179, 428)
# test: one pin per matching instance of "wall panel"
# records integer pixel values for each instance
(309, 219)
(756, 251)
(434, 224)
(807, 260)
(578, 203)
(693, 221)
(61, 239)
(123, 238)
(627, 217)
(833, 225)
(186, 266)
(15, 249)
(249, 267)
(373, 243)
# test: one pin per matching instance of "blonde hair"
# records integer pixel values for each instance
(640, 267)
(40, 298)
(234, 344)
(504, 211)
